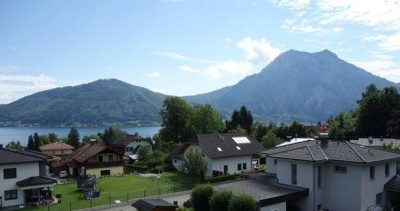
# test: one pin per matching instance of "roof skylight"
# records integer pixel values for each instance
(219, 149)
(241, 140)
(238, 148)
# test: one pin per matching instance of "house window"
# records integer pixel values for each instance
(239, 167)
(10, 173)
(105, 172)
(379, 199)
(340, 169)
(244, 166)
(100, 158)
(387, 169)
(110, 158)
(174, 161)
(10, 194)
(62, 151)
(319, 176)
(275, 161)
(294, 174)
(372, 172)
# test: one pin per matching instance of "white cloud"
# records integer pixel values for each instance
(158, 90)
(292, 4)
(255, 52)
(14, 87)
(258, 51)
(178, 56)
(386, 42)
(155, 74)
(381, 65)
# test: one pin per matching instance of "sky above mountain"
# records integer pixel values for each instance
(184, 47)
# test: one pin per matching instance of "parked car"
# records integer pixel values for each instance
(63, 174)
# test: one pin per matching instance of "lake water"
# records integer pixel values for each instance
(8, 134)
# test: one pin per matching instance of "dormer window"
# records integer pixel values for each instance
(219, 149)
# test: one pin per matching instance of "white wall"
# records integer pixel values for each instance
(369, 188)
(271, 167)
(24, 171)
(134, 144)
(232, 162)
(275, 207)
(342, 191)
(305, 179)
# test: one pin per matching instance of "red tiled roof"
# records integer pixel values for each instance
(87, 151)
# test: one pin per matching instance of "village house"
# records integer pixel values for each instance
(228, 153)
(95, 159)
(23, 180)
(58, 149)
(338, 175)
(129, 145)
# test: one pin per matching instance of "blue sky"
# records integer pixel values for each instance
(184, 47)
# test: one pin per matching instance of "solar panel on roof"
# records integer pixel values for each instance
(241, 140)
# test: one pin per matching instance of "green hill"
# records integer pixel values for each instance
(103, 102)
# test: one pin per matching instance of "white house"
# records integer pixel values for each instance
(228, 153)
(338, 175)
(23, 178)
(129, 145)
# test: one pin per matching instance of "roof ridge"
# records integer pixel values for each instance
(323, 152)
(348, 143)
(309, 150)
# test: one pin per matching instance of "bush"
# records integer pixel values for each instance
(201, 196)
(58, 195)
(242, 202)
(140, 167)
(219, 200)
(222, 178)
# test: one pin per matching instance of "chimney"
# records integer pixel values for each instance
(92, 142)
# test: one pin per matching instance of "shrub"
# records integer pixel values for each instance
(222, 178)
(242, 202)
(58, 195)
(219, 200)
(201, 196)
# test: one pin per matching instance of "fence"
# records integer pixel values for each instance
(72, 199)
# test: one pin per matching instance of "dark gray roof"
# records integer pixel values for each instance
(39, 180)
(149, 204)
(332, 151)
(10, 156)
(393, 184)
(263, 190)
(211, 143)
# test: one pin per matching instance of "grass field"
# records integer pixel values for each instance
(117, 188)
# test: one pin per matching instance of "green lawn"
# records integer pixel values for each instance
(117, 188)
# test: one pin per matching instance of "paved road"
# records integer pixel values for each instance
(179, 197)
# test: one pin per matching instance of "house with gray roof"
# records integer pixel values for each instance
(338, 175)
(23, 179)
(227, 153)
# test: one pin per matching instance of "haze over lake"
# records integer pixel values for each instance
(8, 134)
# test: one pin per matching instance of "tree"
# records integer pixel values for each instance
(37, 142)
(31, 144)
(194, 165)
(270, 139)
(242, 118)
(206, 120)
(201, 195)
(393, 125)
(112, 135)
(143, 152)
(52, 137)
(219, 200)
(374, 110)
(342, 127)
(242, 202)
(44, 139)
(297, 130)
(73, 138)
(175, 115)
(14, 145)
(87, 139)
(259, 130)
